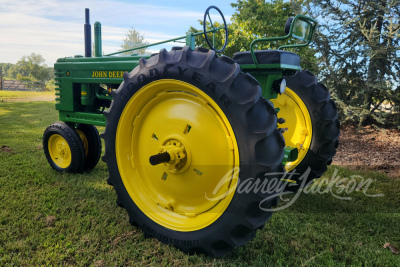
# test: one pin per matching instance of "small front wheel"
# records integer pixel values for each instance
(92, 144)
(63, 148)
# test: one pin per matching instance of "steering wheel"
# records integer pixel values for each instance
(206, 14)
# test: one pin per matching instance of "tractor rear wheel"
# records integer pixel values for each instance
(311, 120)
(63, 148)
(202, 124)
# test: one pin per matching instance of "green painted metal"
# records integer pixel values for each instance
(265, 79)
(190, 40)
(97, 40)
(86, 95)
(293, 32)
(270, 66)
(290, 154)
(79, 96)
(97, 119)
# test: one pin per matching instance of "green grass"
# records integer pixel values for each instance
(13, 96)
(48, 218)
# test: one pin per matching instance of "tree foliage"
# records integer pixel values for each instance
(133, 39)
(260, 19)
(358, 43)
(30, 67)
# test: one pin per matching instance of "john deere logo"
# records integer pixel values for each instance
(107, 74)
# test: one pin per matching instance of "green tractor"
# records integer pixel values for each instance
(186, 129)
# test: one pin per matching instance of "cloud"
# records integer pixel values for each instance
(54, 28)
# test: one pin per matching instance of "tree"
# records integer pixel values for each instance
(134, 39)
(5, 67)
(255, 19)
(359, 52)
(31, 67)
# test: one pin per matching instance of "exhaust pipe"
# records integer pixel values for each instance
(88, 35)
(97, 39)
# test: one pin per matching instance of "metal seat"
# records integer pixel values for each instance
(268, 57)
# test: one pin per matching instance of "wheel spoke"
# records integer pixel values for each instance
(212, 26)
(214, 39)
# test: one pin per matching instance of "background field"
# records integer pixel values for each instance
(48, 218)
(18, 96)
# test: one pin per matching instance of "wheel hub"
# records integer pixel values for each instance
(173, 155)
(59, 150)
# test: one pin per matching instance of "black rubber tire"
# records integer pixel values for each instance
(74, 142)
(253, 120)
(94, 145)
(325, 128)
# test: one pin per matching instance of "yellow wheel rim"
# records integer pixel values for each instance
(84, 141)
(186, 194)
(297, 122)
(59, 151)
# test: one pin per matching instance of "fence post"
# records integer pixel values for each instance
(1, 80)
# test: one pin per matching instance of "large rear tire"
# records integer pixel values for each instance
(193, 105)
(311, 120)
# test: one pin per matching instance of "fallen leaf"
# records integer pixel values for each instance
(392, 248)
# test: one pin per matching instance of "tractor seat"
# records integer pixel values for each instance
(268, 57)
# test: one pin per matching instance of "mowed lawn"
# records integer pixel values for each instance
(18, 96)
(50, 218)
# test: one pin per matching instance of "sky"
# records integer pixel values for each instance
(54, 28)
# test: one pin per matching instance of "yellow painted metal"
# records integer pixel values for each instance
(84, 141)
(59, 151)
(177, 153)
(191, 193)
(297, 122)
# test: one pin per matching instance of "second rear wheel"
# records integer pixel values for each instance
(311, 124)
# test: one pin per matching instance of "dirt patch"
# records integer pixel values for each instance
(124, 236)
(369, 148)
(6, 149)
(51, 221)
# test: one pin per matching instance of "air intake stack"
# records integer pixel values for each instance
(88, 35)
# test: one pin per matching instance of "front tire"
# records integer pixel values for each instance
(63, 148)
(206, 110)
(92, 145)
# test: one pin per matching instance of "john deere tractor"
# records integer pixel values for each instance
(185, 128)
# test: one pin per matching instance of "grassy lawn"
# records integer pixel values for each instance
(48, 218)
(13, 96)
